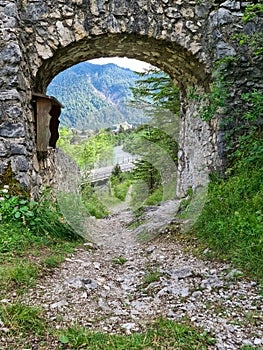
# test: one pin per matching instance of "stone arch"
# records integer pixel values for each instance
(183, 38)
(170, 57)
(178, 62)
(181, 64)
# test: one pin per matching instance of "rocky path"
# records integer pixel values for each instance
(118, 285)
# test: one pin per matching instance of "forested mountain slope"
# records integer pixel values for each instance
(95, 96)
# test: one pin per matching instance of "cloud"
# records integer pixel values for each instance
(133, 64)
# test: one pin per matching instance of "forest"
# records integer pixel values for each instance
(95, 96)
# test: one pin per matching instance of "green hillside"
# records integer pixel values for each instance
(95, 96)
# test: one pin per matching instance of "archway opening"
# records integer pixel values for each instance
(182, 66)
(87, 84)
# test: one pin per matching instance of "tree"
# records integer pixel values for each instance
(156, 90)
(146, 172)
(97, 149)
(156, 142)
(116, 171)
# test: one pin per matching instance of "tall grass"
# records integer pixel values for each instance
(232, 220)
(30, 232)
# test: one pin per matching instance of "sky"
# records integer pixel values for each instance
(135, 65)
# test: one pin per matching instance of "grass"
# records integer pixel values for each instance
(106, 198)
(152, 276)
(34, 237)
(20, 270)
(119, 260)
(18, 275)
(231, 223)
(92, 202)
(29, 249)
(161, 335)
(24, 325)
(25, 256)
(20, 318)
(53, 261)
(156, 197)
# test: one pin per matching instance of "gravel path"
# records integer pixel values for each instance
(106, 286)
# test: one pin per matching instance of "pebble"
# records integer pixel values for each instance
(112, 297)
(258, 341)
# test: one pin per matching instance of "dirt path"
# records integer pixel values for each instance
(122, 284)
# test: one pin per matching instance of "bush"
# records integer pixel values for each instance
(156, 197)
(120, 190)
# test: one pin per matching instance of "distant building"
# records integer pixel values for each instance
(122, 126)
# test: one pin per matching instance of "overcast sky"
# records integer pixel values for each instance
(135, 65)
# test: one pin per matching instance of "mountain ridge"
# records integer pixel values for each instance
(96, 96)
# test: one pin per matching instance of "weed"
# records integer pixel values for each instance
(53, 261)
(152, 276)
(119, 260)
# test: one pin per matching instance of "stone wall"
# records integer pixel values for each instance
(198, 153)
(58, 171)
(40, 38)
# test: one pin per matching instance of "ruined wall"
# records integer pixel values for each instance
(39, 39)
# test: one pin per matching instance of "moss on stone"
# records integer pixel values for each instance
(7, 178)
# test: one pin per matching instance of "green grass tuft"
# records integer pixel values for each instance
(19, 318)
(161, 335)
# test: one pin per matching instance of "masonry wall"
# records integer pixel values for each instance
(38, 39)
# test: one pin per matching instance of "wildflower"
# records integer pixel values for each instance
(6, 187)
(5, 190)
(2, 198)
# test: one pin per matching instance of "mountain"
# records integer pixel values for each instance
(95, 96)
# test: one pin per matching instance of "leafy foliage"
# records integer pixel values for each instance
(119, 183)
(97, 149)
(92, 201)
(156, 89)
(212, 102)
(252, 11)
(40, 218)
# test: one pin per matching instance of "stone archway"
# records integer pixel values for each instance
(41, 38)
(195, 156)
